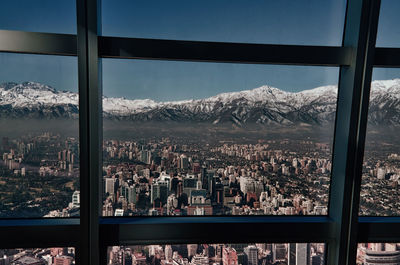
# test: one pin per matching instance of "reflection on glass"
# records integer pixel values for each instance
(39, 16)
(378, 253)
(216, 139)
(224, 254)
(38, 256)
(311, 22)
(39, 166)
(381, 169)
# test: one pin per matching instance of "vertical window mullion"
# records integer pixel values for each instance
(354, 84)
(90, 120)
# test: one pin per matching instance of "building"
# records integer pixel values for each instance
(229, 256)
(63, 260)
(200, 260)
(76, 199)
(279, 252)
(382, 257)
(110, 186)
(251, 253)
(302, 254)
(159, 190)
(28, 260)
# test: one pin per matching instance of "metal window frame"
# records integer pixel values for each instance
(91, 234)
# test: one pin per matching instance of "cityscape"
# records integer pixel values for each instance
(215, 175)
(223, 254)
(38, 256)
(39, 176)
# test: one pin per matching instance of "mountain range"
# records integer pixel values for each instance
(263, 105)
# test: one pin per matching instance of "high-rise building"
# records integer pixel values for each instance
(129, 192)
(189, 184)
(168, 252)
(192, 249)
(76, 198)
(229, 256)
(302, 254)
(292, 254)
(110, 186)
(159, 190)
(184, 162)
(145, 156)
(251, 253)
(279, 252)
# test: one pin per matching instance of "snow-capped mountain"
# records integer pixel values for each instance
(262, 105)
(30, 99)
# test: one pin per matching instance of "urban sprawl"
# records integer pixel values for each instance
(187, 176)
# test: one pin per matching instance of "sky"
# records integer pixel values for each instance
(306, 22)
(168, 80)
(60, 72)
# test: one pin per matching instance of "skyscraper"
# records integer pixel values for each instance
(302, 253)
(279, 252)
(251, 253)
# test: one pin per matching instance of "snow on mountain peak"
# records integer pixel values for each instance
(32, 93)
(264, 99)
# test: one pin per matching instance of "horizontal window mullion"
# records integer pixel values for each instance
(154, 233)
(378, 232)
(39, 236)
(135, 48)
(38, 43)
(387, 57)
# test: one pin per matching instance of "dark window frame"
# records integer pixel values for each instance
(342, 229)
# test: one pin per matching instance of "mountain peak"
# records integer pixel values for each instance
(378, 85)
(27, 85)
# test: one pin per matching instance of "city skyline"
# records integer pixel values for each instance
(219, 254)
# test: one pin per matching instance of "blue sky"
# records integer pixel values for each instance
(56, 16)
(311, 22)
(308, 22)
(167, 80)
(389, 24)
(60, 72)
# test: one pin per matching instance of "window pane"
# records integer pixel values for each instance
(388, 27)
(185, 138)
(37, 256)
(279, 22)
(39, 16)
(39, 136)
(226, 254)
(378, 253)
(381, 168)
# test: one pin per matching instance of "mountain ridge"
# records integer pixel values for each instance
(261, 105)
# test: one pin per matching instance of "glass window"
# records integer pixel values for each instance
(388, 29)
(39, 256)
(278, 22)
(39, 136)
(39, 16)
(184, 138)
(378, 253)
(381, 168)
(229, 254)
